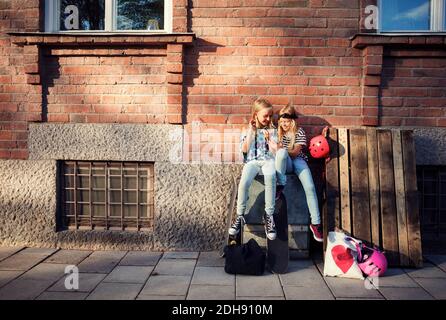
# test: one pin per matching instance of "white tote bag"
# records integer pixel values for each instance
(341, 257)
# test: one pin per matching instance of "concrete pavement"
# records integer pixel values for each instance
(34, 273)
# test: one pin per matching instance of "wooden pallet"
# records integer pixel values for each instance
(371, 191)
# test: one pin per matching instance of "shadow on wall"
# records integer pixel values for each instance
(50, 72)
(192, 72)
(388, 74)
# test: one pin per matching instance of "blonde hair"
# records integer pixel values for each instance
(258, 105)
(290, 134)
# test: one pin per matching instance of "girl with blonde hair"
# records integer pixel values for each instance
(291, 158)
(258, 145)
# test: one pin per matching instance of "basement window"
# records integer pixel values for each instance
(107, 196)
(108, 16)
(432, 191)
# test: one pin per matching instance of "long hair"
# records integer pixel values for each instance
(291, 133)
(258, 105)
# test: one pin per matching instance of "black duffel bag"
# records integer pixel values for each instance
(247, 258)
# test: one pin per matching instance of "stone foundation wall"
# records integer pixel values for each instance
(190, 199)
(190, 209)
(28, 203)
(430, 146)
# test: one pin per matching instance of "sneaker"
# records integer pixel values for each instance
(270, 227)
(236, 226)
(279, 190)
(317, 232)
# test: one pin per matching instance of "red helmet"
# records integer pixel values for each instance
(319, 147)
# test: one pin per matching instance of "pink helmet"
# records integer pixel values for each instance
(372, 262)
(319, 147)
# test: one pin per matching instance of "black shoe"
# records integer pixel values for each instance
(270, 227)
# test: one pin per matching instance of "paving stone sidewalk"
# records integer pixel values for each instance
(31, 273)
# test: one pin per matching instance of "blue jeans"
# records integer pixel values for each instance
(250, 171)
(284, 165)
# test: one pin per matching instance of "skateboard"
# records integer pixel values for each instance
(277, 250)
(236, 239)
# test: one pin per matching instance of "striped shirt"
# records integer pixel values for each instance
(300, 139)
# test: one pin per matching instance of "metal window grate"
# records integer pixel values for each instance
(432, 192)
(107, 195)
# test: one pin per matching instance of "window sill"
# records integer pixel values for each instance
(99, 38)
(362, 40)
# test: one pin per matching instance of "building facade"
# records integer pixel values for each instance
(120, 120)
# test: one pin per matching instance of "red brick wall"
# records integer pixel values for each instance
(19, 102)
(413, 89)
(85, 86)
(285, 50)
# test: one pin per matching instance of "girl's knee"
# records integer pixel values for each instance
(310, 189)
(281, 155)
(270, 179)
(244, 185)
(269, 169)
(300, 165)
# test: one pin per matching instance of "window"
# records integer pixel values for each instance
(81, 15)
(444, 15)
(107, 195)
(108, 15)
(412, 15)
(432, 191)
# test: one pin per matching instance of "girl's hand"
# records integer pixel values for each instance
(295, 151)
(272, 144)
(266, 133)
(325, 131)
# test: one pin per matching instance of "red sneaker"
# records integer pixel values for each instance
(317, 232)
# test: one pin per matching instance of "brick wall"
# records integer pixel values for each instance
(85, 86)
(285, 50)
(19, 101)
(413, 89)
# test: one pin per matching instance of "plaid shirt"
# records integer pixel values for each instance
(262, 152)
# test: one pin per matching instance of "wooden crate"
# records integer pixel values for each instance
(371, 191)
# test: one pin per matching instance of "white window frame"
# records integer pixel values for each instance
(52, 19)
(437, 19)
